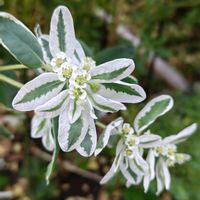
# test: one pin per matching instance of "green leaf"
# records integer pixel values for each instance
(121, 88)
(61, 32)
(121, 51)
(88, 145)
(110, 75)
(130, 79)
(154, 109)
(7, 91)
(75, 132)
(52, 164)
(19, 41)
(5, 132)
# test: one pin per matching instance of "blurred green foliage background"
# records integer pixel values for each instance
(168, 28)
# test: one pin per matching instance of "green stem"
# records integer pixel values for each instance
(12, 67)
(52, 164)
(10, 81)
(20, 66)
(100, 124)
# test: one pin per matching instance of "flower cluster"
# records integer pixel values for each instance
(134, 143)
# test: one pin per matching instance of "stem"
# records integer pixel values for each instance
(10, 81)
(12, 67)
(100, 124)
(67, 165)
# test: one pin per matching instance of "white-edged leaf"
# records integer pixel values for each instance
(122, 92)
(62, 36)
(20, 41)
(71, 135)
(126, 173)
(137, 171)
(166, 174)
(37, 91)
(141, 163)
(130, 79)
(159, 179)
(153, 109)
(48, 141)
(113, 170)
(151, 161)
(111, 71)
(78, 53)
(149, 140)
(53, 107)
(74, 111)
(182, 135)
(104, 137)
(105, 104)
(151, 175)
(162, 176)
(88, 145)
(43, 40)
(39, 126)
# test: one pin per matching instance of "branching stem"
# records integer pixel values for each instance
(12, 67)
(10, 81)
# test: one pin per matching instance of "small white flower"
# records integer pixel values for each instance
(127, 129)
(132, 141)
(87, 63)
(57, 61)
(80, 78)
(77, 93)
(66, 71)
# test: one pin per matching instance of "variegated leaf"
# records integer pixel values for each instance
(88, 145)
(37, 91)
(71, 135)
(39, 126)
(122, 92)
(48, 141)
(74, 111)
(154, 109)
(20, 41)
(149, 140)
(115, 165)
(105, 136)
(130, 79)
(163, 177)
(78, 53)
(43, 40)
(53, 107)
(112, 71)
(105, 104)
(181, 136)
(62, 36)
